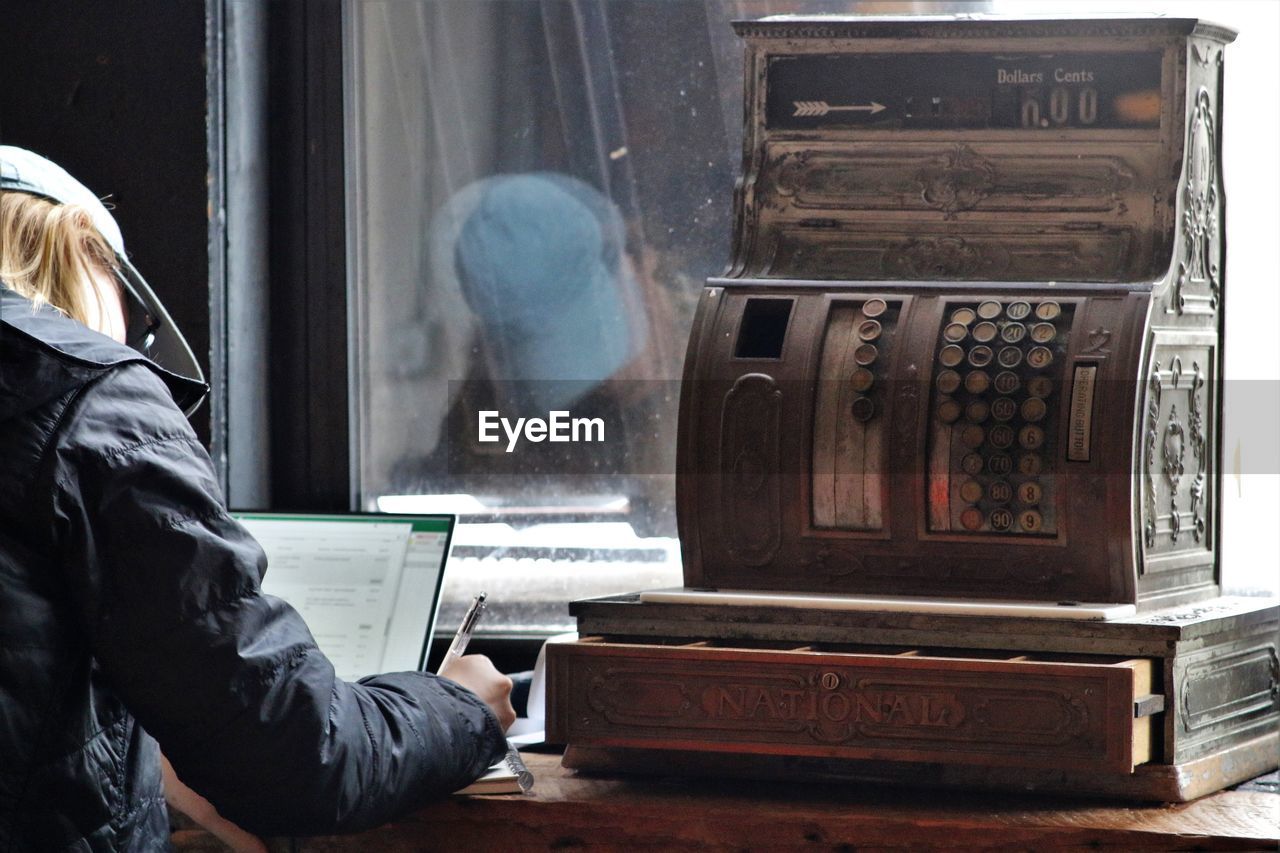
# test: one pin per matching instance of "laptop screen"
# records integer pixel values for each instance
(366, 585)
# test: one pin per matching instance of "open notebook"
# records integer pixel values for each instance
(508, 776)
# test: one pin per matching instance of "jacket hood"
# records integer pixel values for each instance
(44, 354)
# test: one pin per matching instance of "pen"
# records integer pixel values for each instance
(460, 640)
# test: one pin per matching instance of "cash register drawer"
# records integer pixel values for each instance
(905, 705)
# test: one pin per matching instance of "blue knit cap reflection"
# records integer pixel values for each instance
(541, 260)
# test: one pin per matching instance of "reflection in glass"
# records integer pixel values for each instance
(537, 192)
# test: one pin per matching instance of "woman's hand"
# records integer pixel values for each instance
(477, 674)
(183, 799)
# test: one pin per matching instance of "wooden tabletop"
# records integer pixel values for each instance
(567, 811)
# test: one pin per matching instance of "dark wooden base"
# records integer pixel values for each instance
(1150, 783)
(696, 690)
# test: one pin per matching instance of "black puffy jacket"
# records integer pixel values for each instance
(130, 609)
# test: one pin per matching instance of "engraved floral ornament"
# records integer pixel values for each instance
(1200, 209)
(1199, 450)
(941, 257)
(1173, 443)
(960, 182)
(1154, 392)
(1174, 449)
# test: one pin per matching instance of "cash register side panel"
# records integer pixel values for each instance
(1179, 444)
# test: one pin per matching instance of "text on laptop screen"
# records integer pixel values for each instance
(367, 586)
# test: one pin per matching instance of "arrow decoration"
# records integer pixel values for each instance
(821, 108)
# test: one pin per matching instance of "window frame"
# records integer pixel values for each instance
(307, 319)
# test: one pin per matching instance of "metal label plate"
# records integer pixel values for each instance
(1080, 435)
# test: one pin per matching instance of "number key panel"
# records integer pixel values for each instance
(997, 381)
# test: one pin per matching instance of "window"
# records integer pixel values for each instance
(536, 192)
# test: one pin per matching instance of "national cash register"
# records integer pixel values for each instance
(950, 432)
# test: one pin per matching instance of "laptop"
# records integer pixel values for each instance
(367, 585)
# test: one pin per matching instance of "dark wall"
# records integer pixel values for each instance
(116, 93)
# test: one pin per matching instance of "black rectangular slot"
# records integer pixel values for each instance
(763, 328)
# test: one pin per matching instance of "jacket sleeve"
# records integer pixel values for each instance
(227, 679)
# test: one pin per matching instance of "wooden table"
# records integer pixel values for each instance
(567, 812)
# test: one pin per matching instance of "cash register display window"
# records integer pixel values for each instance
(537, 192)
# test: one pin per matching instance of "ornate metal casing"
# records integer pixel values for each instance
(969, 341)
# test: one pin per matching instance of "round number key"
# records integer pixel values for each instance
(985, 333)
(963, 316)
(1042, 333)
(980, 356)
(1030, 493)
(1007, 382)
(1003, 409)
(869, 330)
(1039, 358)
(1040, 386)
(971, 491)
(955, 332)
(1030, 520)
(990, 309)
(1013, 332)
(861, 380)
(971, 464)
(1010, 357)
(1001, 436)
(863, 409)
(948, 381)
(866, 354)
(1030, 464)
(971, 519)
(999, 464)
(976, 381)
(1031, 437)
(977, 411)
(873, 307)
(972, 436)
(1018, 310)
(1001, 519)
(1000, 492)
(951, 355)
(949, 411)
(1048, 310)
(1033, 409)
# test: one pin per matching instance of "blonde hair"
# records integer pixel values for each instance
(48, 251)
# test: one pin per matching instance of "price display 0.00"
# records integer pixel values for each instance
(1064, 107)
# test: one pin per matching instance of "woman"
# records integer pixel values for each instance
(131, 618)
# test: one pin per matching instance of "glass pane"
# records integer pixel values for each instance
(537, 191)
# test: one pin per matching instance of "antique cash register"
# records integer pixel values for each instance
(950, 432)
